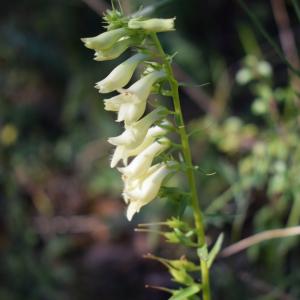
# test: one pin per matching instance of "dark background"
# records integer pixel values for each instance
(63, 229)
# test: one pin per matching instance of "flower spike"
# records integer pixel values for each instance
(143, 145)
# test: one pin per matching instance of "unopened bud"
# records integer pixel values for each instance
(155, 25)
(104, 40)
(114, 52)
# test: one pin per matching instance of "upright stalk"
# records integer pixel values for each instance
(199, 224)
(297, 8)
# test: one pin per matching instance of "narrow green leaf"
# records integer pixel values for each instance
(215, 250)
(192, 85)
(183, 294)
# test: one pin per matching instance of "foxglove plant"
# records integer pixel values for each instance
(145, 139)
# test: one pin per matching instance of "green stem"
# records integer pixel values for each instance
(199, 224)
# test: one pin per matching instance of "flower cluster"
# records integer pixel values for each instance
(144, 137)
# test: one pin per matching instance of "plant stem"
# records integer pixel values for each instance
(199, 224)
(297, 8)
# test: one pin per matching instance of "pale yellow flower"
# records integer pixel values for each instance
(146, 190)
(123, 153)
(135, 133)
(120, 75)
(104, 40)
(155, 24)
(131, 103)
(142, 162)
(114, 52)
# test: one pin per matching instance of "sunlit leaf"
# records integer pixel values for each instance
(183, 294)
(215, 250)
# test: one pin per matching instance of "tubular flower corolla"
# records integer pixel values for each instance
(143, 137)
(120, 75)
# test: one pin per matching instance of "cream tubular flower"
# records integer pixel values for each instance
(152, 134)
(142, 162)
(146, 191)
(131, 102)
(130, 112)
(120, 75)
(123, 153)
(130, 185)
(135, 133)
(114, 52)
(155, 24)
(104, 40)
(120, 153)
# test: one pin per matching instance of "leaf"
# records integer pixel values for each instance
(215, 250)
(192, 85)
(181, 276)
(178, 199)
(197, 168)
(183, 294)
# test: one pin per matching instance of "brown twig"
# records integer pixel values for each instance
(258, 238)
(286, 37)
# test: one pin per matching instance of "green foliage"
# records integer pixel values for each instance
(186, 293)
(215, 250)
(244, 129)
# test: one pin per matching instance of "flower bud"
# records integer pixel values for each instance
(146, 191)
(135, 133)
(155, 25)
(104, 40)
(120, 75)
(114, 52)
(131, 103)
(142, 162)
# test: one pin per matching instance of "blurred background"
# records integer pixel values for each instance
(63, 231)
